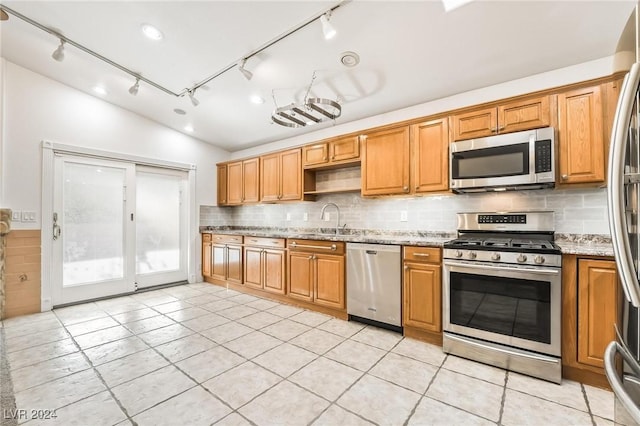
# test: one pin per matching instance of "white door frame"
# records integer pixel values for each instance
(48, 151)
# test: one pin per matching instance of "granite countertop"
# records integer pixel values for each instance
(414, 238)
(584, 244)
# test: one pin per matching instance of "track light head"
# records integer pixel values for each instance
(193, 99)
(245, 72)
(134, 89)
(4, 16)
(327, 29)
(58, 54)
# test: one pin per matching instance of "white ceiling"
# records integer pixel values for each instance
(411, 52)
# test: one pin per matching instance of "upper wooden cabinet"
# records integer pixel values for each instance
(242, 182)
(385, 162)
(338, 151)
(430, 156)
(281, 176)
(509, 117)
(581, 138)
(222, 185)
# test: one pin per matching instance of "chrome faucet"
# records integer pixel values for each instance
(337, 219)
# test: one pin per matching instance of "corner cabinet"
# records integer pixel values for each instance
(422, 293)
(316, 273)
(385, 162)
(591, 307)
(509, 117)
(281, 176)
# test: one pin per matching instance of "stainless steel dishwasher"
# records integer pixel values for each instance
(374, 284)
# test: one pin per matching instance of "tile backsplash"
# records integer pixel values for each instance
(581, 211)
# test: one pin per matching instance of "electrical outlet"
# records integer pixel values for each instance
(288, 216)
(305, 216)
(403, 216)
(28, 216)
(16, 215)
(327, 217)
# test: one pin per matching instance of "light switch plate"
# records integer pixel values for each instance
(28, 216)
(403, 216)
(327, 217)
(305, 216)
(16, 215)
(288, 216)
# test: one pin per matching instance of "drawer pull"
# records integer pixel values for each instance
(421, 254)
(254, 241)
(333, 247)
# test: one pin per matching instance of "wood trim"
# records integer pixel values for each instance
(585, 376)
(423, 335)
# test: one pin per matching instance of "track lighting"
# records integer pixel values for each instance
(58, 54)
(134, 89)
(327, 29)
(246, 73)
(191, 93)
(3, 15)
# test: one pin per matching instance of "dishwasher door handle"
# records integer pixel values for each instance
(372, 252)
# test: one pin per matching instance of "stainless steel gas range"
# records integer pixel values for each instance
(501, 296)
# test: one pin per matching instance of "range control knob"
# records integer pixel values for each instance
(458, 253)
(472, 255)
(539, 259)
(495, 256)
(522, 258)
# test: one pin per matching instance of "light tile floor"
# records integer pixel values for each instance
(201, 354)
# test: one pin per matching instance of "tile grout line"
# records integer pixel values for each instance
(586, 400)
(503, 399)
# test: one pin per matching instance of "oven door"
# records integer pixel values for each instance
(513, 305)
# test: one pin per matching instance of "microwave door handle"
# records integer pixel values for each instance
(616, 194)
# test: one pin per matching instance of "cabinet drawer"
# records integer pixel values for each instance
(314, 246)
(264, 242)
(423, 254)
(227, 239)
(206, 238)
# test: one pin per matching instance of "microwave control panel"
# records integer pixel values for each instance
(543, 156)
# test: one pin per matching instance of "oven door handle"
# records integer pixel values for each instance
(504, 350)
(503, 268)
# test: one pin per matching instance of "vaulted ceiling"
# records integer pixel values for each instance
(411, 52)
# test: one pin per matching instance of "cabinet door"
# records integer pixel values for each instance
(290, 175)
(524, 115)
(218, 261)
(475, 124)
(422, 305)
(253, 267)
(345, 149)
(329, 289)
(270, 177)
(597, 314)
(250, 181)
(315, 154)
(430, 143)
(580, 136)
(206, 259)
(234, 183)
(300, 276)
(274, 271)
(385, 162)
(234, 264)
(222, 185)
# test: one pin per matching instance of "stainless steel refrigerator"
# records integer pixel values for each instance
(624, 208)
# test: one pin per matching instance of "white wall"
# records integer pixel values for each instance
(36, 108)
(581, 72)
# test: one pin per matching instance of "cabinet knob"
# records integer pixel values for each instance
(405, 188)
(501, 128)
(333, 157)
(417, 187)
(311, 257)
(279, 197)
(565, 177)
(494, 129)
(406, 267)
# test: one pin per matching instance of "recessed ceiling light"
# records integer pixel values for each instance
(188, 128)
(349, 59)
(257, 99)
(179, 111)
(152, 32)
(100, 90)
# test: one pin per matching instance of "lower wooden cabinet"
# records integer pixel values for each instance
(591, 306)
(222, 258)
(314, 276)
(264, 266)
(422, 293)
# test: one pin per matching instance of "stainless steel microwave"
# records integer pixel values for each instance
(520, 160)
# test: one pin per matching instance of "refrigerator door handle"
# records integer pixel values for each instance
(615, 381)
(616, 194)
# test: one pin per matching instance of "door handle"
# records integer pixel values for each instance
(57, 231)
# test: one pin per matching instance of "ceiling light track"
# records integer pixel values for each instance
(187, 91)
